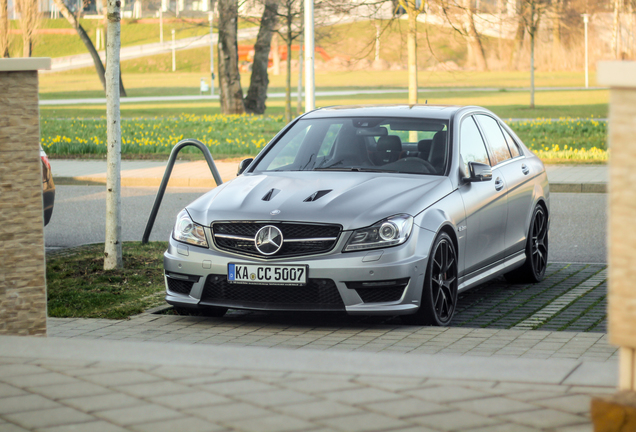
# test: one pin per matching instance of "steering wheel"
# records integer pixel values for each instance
(430, 169)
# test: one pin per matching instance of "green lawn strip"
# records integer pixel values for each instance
(504, 301)
(529, 299)
(79, 287)
(566, 140)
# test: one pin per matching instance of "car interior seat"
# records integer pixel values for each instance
(389, 149)
(424, 148)
(437, 156)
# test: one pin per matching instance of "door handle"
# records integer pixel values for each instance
(499, 184)
(524, 169)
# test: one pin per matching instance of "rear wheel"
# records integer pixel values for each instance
(533, 270)
(439, 294)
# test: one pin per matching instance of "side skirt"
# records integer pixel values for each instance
(492, 271)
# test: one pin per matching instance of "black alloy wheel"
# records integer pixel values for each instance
(533, 269)
(439, 294)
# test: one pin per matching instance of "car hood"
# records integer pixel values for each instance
(355, 200)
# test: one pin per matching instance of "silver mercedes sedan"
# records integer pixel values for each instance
(385, 210)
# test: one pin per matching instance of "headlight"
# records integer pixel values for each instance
(391, 231)
(187, 231)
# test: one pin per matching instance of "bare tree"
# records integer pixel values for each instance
(413, 8)
(113, 249)
(99, 66)
(257, 92)
(29, 20)
(231, 92)
(534, 10)
(475, 47)
(4, 28)
(616, 31)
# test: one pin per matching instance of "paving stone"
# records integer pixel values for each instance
(93, 426)
(29, 402)
(120, 378)
(10, 427)
(361, 396)
(364, 422)
(446, 393)
(319, 385)
(545, 418)
(7, 390)
(189, 400)
(156, 388)
(271, 423)
(102, 402)
(228, 412)
(406, 407)
(238, 387)
(454, 421)
(144, 413)
(14, 370)
(49, 417)
(65, 391)
(575, 404)
(185, 424)
(275, 398)
(318, 410)
(493, 406)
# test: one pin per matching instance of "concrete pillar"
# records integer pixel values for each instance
(22, 261)
(609, 413)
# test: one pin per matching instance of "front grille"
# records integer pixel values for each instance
(179, 286)
(290, 231)
(318, 294)
(380, 291)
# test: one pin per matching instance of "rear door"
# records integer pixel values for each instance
(485, 203)
(516, 173)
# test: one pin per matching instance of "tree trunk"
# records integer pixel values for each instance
(518, 42)
(532, 35)
(412, 53)
(230, 90)
(113, 247)
(29, 20)
(288, 72)
(616, 33)
(556, 32)
(474, 40)
(257, 93)
(4, 28)
(99, 66)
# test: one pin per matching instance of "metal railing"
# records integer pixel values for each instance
(166, 177)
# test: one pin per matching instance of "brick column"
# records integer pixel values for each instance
(22, 261)
(618, 412)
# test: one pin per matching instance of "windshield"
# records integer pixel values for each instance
(404, 145)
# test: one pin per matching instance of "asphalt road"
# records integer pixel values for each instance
(577, 233)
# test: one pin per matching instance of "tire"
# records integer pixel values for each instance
(439, 293)
(533, 269)
(208, 311)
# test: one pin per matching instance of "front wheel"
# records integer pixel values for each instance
(533, 270)
(439, 293)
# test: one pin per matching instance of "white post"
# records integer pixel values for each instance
(377, 41)
(310, 85)
(112, 248)
(161, 25)
(585, 21)
(174, 57)
(211, 18)
(299, 95)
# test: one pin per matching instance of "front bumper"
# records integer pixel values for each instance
(191, 265)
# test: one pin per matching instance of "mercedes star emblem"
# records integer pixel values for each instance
(274, 212)
(268, 240)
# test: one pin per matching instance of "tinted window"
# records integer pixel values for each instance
(495, 138)
(512, 145)
(472, 145)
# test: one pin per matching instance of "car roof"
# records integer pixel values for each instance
(437, 112)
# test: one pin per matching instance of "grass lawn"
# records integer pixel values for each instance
(78, 286)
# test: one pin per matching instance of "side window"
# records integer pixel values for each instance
(495, 138)
(330, 138)
(472, 144)
(512, 145)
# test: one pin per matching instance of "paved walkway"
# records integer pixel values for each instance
(563, 178)
(51, 384)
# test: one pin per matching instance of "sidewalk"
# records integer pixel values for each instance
(563, 178)
(53, 384)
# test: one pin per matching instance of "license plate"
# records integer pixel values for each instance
(267, 274)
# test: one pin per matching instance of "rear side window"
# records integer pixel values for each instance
(472, 144)
(512, 145)
(495, 138)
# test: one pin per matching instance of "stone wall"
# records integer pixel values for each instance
(22, 261)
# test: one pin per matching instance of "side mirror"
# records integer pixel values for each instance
(243, 165)
(478, 172)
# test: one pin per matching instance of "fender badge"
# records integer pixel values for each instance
(274, 212)
(461, 228)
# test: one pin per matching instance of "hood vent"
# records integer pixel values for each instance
(270, 194)
(317, 195)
